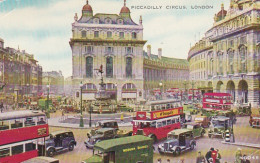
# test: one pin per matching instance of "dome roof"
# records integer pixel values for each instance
(87, 7)
(125, 9)
(222, 13)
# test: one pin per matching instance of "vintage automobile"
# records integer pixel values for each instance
(209, 113)
(203, 121)
(220, 125)
(196, 129)
(230, 114)
(104, 124)
(178, 141)
(60, 141)
(105, 134)
(189, 108)
(122, 107)
(185, 117)
(254, 121)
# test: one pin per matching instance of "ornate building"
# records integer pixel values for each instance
(227, 58)
(19, 72)
(116, 42)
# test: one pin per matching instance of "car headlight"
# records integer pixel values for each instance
(171, 146)
(94, 140)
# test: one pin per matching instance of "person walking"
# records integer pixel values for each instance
(200, 158)
(208, 155)
(213, 155)
(238, 156)
(168, 161)
(218, 157)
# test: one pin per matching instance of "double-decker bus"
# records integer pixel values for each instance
(162, 104)
(217, 101)
(156, 124)
(20, 132)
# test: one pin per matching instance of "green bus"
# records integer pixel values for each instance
(132, 149)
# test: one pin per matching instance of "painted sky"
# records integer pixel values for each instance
(43, 27)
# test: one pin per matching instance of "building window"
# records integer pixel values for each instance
(243, 59)
(109, 34)
(89, 49)
(121, 35)
(220, 63)
(109, 50)
(83, 34)
(128, 67)
(231, 61)
(96, 34)
(109, 67)
(134, 35)
(89, 67)
(129, 50)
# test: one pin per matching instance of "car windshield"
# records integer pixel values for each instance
(170, 136)
(198, 119)
(189, 126)
(99, 132)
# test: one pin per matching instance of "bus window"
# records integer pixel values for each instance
(159, 124)
(153, 124)
(4, 125)
(30, 147)
(164, 123)
(169, 122)
(17, 149)
(30, 121)
(168, 106)
(173, 120)
(17, 123)
(177, 120)
(41, 120)
(4, 152)
(172, 106)
(163, 107)
(152, 107)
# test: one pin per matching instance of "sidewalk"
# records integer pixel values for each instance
(243, 144)
(55, 122)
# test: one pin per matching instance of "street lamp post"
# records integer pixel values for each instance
(48, 94)
(161, 84)
(185, 88)
(27, 103)
(81, 124)
(90, 110)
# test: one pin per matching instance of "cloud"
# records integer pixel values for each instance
(45, 30)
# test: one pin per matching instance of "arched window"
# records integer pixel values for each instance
(231, 61)
(243, 58)
(109, 67)
(128, 67)
(89, 67)
(220, 62)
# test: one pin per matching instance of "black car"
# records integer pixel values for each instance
(60, 141)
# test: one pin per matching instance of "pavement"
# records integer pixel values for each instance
(59, 122)
(251, 145)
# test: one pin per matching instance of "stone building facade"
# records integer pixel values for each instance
(19, 72)
(116, 42)
(228, 57)
(55, 80)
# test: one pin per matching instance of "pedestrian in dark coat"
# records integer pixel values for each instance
(208, 155)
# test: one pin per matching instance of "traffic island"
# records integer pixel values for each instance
(243, 144)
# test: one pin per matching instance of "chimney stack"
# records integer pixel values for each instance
(149, 49)
(160, 53)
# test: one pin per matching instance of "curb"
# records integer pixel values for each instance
(243, 144)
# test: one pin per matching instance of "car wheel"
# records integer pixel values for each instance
(210, 136)
(223, 135)
(130, 134)
(71, 147)
(192, 146)
(51, 152)
(177, 151)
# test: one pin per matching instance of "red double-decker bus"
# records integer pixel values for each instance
(217, 101)
(20, 132)
(156, 124)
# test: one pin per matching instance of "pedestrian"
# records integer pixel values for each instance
(238, 156)
(62, 112)
(168, 161)
(122, 117)
(208, 155)
(159, 160)
(1, 107)
(218, 156)
(213, 155)
(200, 158)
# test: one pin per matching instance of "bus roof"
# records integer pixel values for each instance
(217, 94)
(179, 131)
(113, 144)
(59, 132)
(42, 159)
(20, 114)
